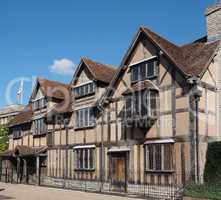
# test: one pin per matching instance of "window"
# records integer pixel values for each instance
(17, 133)
(40, 127)
(84, 90)
(85, 118)
(85, 158)
(144, 70)
(141, 104)
(39, 104)
(159, 157)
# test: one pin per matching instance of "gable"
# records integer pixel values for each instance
(83, 77)
(142, 50)
(36, 93)
(39, 94)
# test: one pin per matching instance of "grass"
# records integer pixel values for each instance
(209, 191)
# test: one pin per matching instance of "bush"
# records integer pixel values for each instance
(212, 173)
(3, 138)
(209, 191)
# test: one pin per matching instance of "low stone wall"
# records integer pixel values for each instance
(155, 192)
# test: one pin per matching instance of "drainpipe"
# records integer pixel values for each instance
(196, 93)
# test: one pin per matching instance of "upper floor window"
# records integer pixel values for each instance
(144, 70)
(85, 118)
(39, 104)
(40, 127)
(141, 104)
(85, 158)
(84, 90)
(159, 157)
(17, 133)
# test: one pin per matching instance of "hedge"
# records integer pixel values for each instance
(212, 173)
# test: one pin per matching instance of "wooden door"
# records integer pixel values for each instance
(118, 174)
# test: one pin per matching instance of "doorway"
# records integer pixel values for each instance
(118, 172)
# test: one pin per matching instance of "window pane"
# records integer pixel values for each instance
(92, 87)
(91, 158)
(158, 157)
(142, 72)
(144, 103)
(150, 69)
(81, 159)
(86, 158)
(128, 107)
(81, 118)
(91, 117)
(151, 157)
(86, 89)
(168, 157)
(77, 119)
(135, 74)
(137, 104)
(153, 103)
(86, 116)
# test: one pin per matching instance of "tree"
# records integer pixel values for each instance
(3, 138)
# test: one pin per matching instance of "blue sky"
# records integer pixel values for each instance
(36, 35)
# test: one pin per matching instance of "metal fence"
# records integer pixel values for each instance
(154, 186)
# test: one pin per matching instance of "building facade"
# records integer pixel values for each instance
(9, 112)
(146, 122)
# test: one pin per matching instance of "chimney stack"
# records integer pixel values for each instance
(213, 20)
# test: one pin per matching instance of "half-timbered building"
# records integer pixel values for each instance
(146, 122)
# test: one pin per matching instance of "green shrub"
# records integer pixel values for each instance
(209, 191)
(212, 173)
(3, 138)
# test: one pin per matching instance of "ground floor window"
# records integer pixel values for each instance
(85, 158)
(159, 157)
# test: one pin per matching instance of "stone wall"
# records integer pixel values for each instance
(152, 191)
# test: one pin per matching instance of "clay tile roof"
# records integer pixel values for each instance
(53, 89)
(198, 56)
(26, 151)
(23, 117)
(147, 84)
(100, 72)
(191, 59)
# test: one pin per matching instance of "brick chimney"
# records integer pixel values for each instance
(213, 19)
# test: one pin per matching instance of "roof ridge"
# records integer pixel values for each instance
(99, 63)
(54, 81)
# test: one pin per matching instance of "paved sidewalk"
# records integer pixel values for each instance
(26, 192)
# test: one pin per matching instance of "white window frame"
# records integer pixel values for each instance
(147, 154)
(85, 149)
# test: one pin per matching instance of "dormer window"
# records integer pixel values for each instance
(84, 90)
(144, 70)
(39, 104)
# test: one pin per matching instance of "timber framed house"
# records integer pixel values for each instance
(146, 122)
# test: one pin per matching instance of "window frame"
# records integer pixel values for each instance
(39, 127)
(17, 133)
(89, 87)
(162, 156)
(136, 109)
(83, 160)
(40, 103)
(137, 67)
(84, 118)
